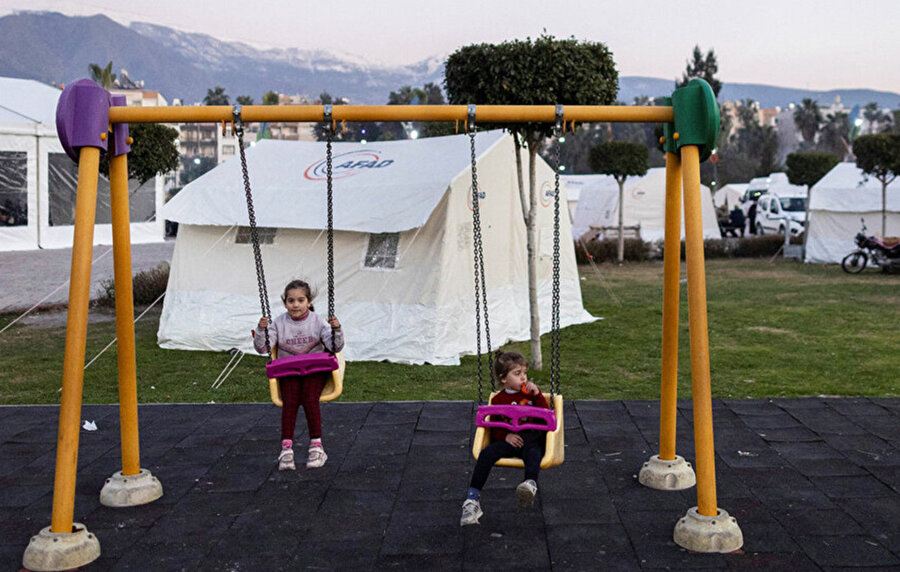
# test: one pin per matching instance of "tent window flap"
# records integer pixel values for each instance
(382, 250)
(13, 188)
(266, 235)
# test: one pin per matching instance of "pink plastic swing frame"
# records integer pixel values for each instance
(515, 413)
(301, 364)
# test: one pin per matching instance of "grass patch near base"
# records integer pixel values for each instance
(780, 329)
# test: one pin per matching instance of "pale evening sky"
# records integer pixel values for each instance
(810, 44)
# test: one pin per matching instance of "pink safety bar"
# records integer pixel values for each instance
(515, 413)
(302, 364)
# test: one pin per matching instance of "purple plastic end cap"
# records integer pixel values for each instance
(82, 116)
(120, 144)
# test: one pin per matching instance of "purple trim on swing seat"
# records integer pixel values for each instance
(301, 364)
(515, 413)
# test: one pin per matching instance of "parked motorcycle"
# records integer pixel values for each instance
(871, 248)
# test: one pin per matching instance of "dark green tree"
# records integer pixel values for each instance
(216, 96)
(836, 137)
(104, 77)
(808, 118)
(806, 169)
(270, 98)
(244, 100)
(620, 159)
(544, 71)
(704, 68)
(879, 156)
(153, 152)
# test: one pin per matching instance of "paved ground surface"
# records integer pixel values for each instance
(814, 484)
(29, 277)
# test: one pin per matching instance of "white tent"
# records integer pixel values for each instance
(573, 185)
(730, 195)
(404, 287)
(38, 180)
(645, 205)
(837, 203)
(777, 183)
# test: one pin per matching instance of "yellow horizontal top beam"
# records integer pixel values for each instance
(315, 113)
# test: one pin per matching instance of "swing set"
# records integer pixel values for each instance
(90, 119)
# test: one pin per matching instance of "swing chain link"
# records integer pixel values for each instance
(554, 344)
(238, 130)
(329, 131)
(478, 252)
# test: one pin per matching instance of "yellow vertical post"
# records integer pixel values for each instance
(699, 334)
(671, 277)
(76, 338)
(128, 414)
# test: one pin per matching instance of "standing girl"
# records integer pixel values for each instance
(300, 331)
(512, 371)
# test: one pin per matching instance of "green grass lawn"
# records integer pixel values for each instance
(777, 329)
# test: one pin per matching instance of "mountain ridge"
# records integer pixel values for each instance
(54, 48)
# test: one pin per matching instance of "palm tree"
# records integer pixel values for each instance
(808, 118)
(104, 77)
(836, 134)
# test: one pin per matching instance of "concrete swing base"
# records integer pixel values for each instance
(130, 490)
(50, 551)
(674, 475)
(699, 533)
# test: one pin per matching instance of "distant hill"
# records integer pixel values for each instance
(54, 48)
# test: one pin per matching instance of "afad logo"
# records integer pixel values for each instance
(638, 193)
(481, 196)
(546, 194)
(346, 165)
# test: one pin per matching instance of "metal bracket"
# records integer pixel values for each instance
(560, 122)
(237, 121)
(470, 123)
(326, 115)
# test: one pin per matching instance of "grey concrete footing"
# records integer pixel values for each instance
(674, 475)
(700, 533)
(61, 550)
(130, 490)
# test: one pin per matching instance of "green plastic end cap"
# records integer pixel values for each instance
(696, 117)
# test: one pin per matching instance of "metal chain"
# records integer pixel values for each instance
(480, 283)
(554, 344)
(330, 200)
(254, 235)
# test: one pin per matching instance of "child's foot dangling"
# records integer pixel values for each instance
(525, 493)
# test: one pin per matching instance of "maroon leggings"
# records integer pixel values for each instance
(305, 390)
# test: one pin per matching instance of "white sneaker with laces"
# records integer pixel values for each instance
(317, 458)
(471, 512)
(286, 460)
(525, 493)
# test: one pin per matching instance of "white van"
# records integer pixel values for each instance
(774, 213)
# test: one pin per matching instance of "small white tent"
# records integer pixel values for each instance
(777, 183)
(38, 180)
(645, 205)
(404, 287)
(837, 203)
(730, 195)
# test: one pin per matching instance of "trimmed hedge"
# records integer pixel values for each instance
(147, 286)
(638, 250)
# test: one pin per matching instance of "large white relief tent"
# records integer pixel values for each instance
(38, 180)
(645, 205)
(404, 286)
(838, 204)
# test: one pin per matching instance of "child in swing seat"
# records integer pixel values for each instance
(511, 369)
(300, 331)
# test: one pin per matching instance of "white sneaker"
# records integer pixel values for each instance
(286, 460)
(471, 512)
(525, 493)
(317, 458)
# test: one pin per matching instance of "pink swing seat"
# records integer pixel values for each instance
(515, 414)
(301, 364)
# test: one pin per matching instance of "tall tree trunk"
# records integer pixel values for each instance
(537, 361)
(621, 245)
(521, 178)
